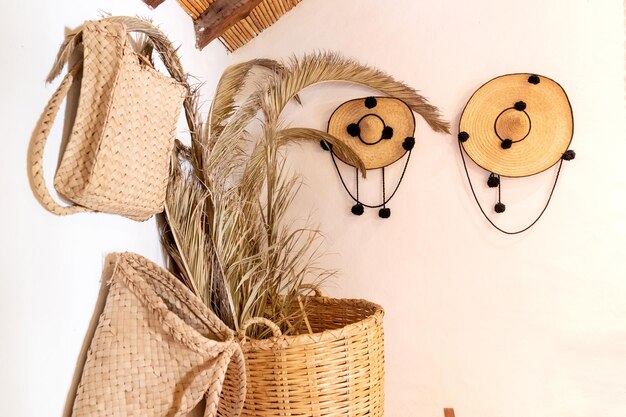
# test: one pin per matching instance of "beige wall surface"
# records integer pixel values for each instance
(492, 325)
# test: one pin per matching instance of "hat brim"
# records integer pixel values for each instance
(395, 113)
(548, 110)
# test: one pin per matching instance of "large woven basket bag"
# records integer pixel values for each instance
(334, 366)
(157, 350)
(117, 157)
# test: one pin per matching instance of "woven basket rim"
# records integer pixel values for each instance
(285, 341)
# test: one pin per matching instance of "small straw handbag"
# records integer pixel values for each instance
(118, 154)
(334, 366)
(157, 350)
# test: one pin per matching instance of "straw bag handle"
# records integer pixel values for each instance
(168, 55)
(276, 332)
(162, 45)
(38, 143)
(259, 320)
(313, 287)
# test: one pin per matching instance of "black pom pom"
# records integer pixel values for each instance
(569, 155)
(387, 132)
(408, 143)
(463, 136)
(370, 102)
(506, 143)
(493, 181)
(384, 213)
(533, 79)
(520, 105)
(499, 208)
(357, 209)
(353, 129)
(325, 145)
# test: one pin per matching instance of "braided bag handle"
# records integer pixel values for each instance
(170, 59)
(38, 143)
(169, 56)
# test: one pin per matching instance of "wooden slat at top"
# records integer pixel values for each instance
(235, 22)
(219, 17)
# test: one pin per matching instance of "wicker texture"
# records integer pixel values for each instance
(368, 144)
(336, 370)
(261, 17)
(157, 350)
(118, 154)
(540, 132)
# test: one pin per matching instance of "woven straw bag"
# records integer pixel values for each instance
(157, 350)
(333, 367)
(118, 153)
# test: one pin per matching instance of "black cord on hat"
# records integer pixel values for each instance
(499, 207)
(356, 199)
(567, 154)
(384, 212)
(357, 209)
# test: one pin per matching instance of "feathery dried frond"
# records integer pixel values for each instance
(316, 68)
(230, 85)
(72, 39)
(230, 204)
(188, 243)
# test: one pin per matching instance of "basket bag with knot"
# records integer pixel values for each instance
(157, 350)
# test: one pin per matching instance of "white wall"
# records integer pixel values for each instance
(532, 325)
(51, 266)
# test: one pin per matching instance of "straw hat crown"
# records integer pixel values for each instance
(517, 125)
(379, 129)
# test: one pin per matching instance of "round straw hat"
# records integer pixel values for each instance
(379, 129)
(517, 125)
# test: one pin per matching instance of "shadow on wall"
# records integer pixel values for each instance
(107, 273)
